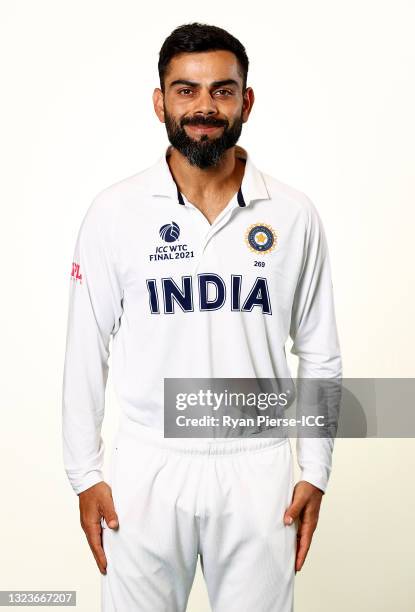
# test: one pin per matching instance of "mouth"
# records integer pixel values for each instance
(203, 129)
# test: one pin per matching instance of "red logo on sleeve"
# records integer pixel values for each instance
(76, 274)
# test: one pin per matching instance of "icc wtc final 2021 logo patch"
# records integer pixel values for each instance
(170, 232)
(261, 238)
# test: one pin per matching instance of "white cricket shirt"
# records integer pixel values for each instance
(185, 299)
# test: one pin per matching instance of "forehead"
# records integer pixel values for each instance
(204, 66)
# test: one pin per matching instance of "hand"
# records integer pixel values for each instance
(94, 503)
(305, 506)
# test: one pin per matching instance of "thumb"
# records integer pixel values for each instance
(111, 517)
(292, 512)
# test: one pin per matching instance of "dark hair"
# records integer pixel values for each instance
(198, 37)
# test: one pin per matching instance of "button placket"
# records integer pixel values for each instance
(217, 224)
(201, 248)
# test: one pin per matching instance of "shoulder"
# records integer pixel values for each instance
(109, 200)
(296, 205)
(106, 206)
(290, 196)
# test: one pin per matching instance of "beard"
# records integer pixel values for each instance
(206, 152)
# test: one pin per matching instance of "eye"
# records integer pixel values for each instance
(225, 92)
(182, 91)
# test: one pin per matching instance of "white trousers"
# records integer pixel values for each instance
(180, 498)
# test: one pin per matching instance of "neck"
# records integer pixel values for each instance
(198, 184)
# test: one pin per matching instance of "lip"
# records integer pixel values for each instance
(204, 129)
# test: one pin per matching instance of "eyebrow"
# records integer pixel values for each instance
(213, 84)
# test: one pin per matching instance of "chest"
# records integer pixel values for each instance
(177, 261)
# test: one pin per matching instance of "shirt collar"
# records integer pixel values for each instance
(160, 180)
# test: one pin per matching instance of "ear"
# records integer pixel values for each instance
(247, 104)
(158, 98)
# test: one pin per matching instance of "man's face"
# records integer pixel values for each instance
(203, 106)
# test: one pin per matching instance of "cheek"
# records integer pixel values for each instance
(180, 109)
(231, 108)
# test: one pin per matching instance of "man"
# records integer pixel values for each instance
(198, 266)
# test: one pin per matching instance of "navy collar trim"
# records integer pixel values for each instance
(179, 196)
(240, 197)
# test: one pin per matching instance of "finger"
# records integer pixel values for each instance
(302, 550)
(309, 518)
(93, 533)
(304, 537)
(311, 512)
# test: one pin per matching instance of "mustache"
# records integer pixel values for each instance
(204, 121)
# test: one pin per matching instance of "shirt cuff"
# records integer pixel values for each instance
(318, 478)
(82, 483)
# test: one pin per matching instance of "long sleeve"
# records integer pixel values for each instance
(315, 341)
(95, 308)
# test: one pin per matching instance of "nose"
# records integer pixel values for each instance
(205, 104)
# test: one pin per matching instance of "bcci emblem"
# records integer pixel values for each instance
(261, 238)
(169, 232)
